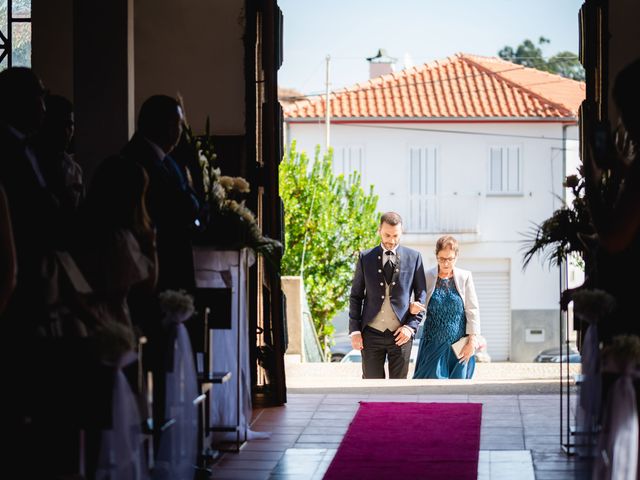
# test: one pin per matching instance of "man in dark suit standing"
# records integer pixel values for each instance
(173, 205)
(33, 208)
(380, 323)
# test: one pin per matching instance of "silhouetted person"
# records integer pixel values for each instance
(173, 205)
(116, 251)
(616, 212)
(33, 213)
(173, 208)
(33, 208)
(62, 173)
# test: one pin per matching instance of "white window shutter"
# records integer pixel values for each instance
(348, 159)
(422, 188)
(495, 179)
(505, 170)
(513, 170)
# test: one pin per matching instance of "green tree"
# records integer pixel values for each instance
(530, 55)
(328, 219)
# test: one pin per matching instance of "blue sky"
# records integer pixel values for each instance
(426, 30)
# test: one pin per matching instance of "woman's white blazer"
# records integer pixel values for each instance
(464, 285)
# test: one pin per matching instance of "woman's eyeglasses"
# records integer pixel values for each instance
(446, 260)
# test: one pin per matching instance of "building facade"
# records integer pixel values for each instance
(468, 147)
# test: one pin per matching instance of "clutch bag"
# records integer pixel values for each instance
(458, 346)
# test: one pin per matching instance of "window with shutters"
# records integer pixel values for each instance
(505, 170)
(423, 206)
(348, 159)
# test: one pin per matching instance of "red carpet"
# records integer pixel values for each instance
(408, 441)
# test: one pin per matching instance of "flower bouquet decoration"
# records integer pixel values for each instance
(176, 305)
(229, 223)
(617, 450)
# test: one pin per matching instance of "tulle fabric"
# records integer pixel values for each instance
(121, 454)
(588, 409)
(177, 452)
(617, 452)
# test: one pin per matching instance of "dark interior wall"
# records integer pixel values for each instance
(624, 42)
(84, 51)
(195, 47)
(108, 57)
(53, 59)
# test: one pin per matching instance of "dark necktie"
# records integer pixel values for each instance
(388, 267)
(174, 171)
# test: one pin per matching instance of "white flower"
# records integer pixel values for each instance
(593, 305)
(176, 301)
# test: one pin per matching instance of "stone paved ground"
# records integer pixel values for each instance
(489, 378)
(520, 434)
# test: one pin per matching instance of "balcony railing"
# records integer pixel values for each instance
(457, 213)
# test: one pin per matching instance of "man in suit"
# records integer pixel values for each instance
(173, 205)
(34, 210)
(37, 233)
(380, 323)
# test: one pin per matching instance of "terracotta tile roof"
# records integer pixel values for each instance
(460, 87)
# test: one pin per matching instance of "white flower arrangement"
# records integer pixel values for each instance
(622, 355)
(593, 305)
(177, 305)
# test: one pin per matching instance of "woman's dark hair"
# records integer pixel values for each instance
(116, 198)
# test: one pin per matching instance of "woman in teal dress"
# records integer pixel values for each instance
(452, 313)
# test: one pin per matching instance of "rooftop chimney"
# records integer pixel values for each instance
(381, 64)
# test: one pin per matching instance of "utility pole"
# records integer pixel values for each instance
(327, 120)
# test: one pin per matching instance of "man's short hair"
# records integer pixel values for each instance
(156, 112)
(18, 84)
(58, 107)
(391, 218)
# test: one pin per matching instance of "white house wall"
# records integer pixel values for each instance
(462, 166)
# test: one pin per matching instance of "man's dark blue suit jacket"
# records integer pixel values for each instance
(367, 288)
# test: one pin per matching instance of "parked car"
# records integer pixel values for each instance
(553, 354)
(354, 356)
(573, 358)
(341, 346)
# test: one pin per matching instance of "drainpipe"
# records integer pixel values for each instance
(564, 160)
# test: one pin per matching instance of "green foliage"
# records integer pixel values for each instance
(328, 219)
(528, 54)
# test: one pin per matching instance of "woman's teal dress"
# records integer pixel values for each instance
(444, 325)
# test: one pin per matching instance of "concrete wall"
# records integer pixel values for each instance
(525, 345)
(293, 289)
